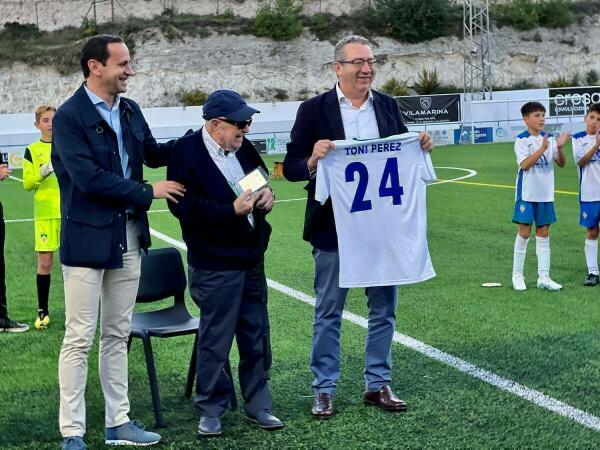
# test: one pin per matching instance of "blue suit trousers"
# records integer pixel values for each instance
(325, 354)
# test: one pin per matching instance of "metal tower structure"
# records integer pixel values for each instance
(477, 64)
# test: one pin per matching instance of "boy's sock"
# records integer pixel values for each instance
(542, 250)
(591, 256)
(519, 255)
(43, 290)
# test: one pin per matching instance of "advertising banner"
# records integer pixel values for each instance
(572, 101)
(482, 135)
(430, 108)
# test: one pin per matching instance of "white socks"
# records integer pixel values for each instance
(591, 256)
(519, 255)
(542, 250)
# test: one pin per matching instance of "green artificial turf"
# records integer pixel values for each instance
(548, 341)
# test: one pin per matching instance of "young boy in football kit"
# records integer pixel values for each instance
(536, 151)
(586, 152)
(38, 175)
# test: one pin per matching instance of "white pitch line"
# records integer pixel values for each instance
(17, 220)
(536, 397)
(31, 220)
(470, 173)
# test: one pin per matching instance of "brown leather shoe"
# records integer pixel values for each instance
(385, 399)
(323, 406)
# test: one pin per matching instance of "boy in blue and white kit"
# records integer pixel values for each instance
(535, 151)
(587, 158)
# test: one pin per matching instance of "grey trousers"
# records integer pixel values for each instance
(232, 304)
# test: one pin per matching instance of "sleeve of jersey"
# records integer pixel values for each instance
(521, 150)
(578, 150)
(554, 148)
(31, 174)
(428, 172)
(322, 182)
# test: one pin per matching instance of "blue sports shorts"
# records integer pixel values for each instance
(542, 213)
(589, 214)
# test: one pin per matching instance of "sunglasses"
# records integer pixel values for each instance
(241, 124)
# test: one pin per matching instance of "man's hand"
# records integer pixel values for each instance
(544, 143)
(244, 203)
(426, 141)
(562, 139)
(4, 171)
(168, 189)
(46, 169)
(265, 199)
(320, 149)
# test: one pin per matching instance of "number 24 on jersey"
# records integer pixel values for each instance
(389, 186)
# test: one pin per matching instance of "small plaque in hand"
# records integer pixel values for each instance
(255, 181)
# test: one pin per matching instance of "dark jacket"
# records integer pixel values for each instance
(320, 118)
(217, 239)
(94, 195)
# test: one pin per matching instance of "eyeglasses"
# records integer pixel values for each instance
(358, 63)
(241, 124)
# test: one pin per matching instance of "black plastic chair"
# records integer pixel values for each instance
(162, 277)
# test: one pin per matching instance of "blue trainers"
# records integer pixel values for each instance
(73, 443)
(130, 433)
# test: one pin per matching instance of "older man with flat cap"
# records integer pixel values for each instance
(226, 236)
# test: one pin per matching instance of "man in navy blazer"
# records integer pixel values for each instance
(350, 110)
(226, 235)
(100, 142)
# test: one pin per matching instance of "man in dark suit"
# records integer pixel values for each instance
(350, 110)
(226, 236)
(100, 142)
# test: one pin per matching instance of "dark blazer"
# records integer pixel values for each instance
(94, 196)
(320, 118)
(217, 239)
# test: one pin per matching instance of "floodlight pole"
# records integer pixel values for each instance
(477, 62)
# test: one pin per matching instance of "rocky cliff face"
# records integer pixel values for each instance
(264, 70)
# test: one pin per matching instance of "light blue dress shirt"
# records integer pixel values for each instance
(113, 119)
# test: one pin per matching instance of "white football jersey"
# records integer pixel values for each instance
(537, 183)
(378, 193)
(589, 175)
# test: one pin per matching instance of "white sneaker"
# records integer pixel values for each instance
(546, 282)
(519, 282)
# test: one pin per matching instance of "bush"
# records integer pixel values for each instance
(591, 77)
(417, 20)
(395, 88)
(520, 14)
(16, 30)
(280, 95)
(194, 97)
(320, 24)
(428, 82)
(89, 28)
(559, 82)
(555, 13)
(528, 14)
(280, 22)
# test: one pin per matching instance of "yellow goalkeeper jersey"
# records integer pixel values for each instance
(46, 198)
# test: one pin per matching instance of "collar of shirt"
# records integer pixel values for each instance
(342, 99)
(98, 102)
(213, 148)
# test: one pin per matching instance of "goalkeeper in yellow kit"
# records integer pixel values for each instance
(38, 175)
